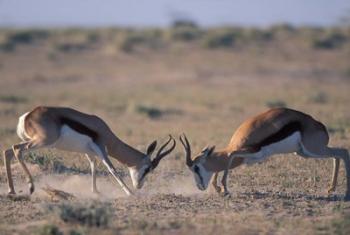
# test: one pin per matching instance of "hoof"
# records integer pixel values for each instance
(31, 188)
(11, 193)
(331, 190)
(218, 189)
(225, 194)
(96, 192)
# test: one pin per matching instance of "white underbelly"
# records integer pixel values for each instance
(290, 144)
(71, 140)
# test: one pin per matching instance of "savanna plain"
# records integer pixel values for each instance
(148, 83)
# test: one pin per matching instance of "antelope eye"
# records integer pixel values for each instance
(196, 169)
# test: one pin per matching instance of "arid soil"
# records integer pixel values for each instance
(147, 94)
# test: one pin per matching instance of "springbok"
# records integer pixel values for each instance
(70, 130)
(276, 131)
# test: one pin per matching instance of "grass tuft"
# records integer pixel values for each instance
(91, 214)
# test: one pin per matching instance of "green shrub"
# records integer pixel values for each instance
(275, 104)
(7, 46)
(184, 23)
(70, 47)
(92, 214)
(12, 99)
(184, 33)
(26, 36)
(219, 39)
(258, 35)
(150, 111)
(150, 38)
(319, 98)
(282, 28)
(49, 229)
(330, 41)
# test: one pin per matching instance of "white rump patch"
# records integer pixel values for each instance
(290, 144)
(21, 132)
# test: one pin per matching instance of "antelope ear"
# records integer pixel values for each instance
(209, 151)
(151, 148)
(205, 149)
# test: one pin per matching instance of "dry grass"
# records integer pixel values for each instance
(149, 93)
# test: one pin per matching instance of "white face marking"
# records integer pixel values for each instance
(201, 175)
(21, 132)
(136, 174)
(290, 144)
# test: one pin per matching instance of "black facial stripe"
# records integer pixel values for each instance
(147, 170)
(197, 171)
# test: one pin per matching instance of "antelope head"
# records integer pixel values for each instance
(201, 175)
(138, 174)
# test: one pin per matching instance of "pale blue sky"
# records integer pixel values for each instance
(46, 13)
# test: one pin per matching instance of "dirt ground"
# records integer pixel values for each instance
(146, 95)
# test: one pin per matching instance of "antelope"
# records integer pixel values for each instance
(276, 131)
(70, 130)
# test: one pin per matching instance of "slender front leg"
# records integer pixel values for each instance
(214, 182)
(114, 173)
(8, 155)
(224, 178)
(92, 162)
(100, 151)
(336, 162)
(18, 152)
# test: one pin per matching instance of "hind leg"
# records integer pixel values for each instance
(92, 162)
(329, 152)
(18, 151)
(336, 162)
(8, 155)
(343, 154)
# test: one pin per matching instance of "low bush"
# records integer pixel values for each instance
(91, 214)
(219, 39)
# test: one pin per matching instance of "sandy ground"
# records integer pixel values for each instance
(204, 93)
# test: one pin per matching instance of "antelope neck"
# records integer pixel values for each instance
(123, 152)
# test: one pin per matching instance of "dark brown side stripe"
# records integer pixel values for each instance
(78, 127)
(283, 133)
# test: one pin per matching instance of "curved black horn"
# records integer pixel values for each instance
(187, 147)
(161, 154)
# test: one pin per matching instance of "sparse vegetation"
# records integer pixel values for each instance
(219, 39)
(168, 84)
(319, 98)
(150, 111)
(12, 99)
(50, 163)
(276, 103)
(49, 229)
(89, 214)
(128, 39)
(331, 40)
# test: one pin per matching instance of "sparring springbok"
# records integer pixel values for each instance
(70, 130)
(276, 131)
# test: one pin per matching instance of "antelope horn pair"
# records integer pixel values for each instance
(161, 154)
(187, 147)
